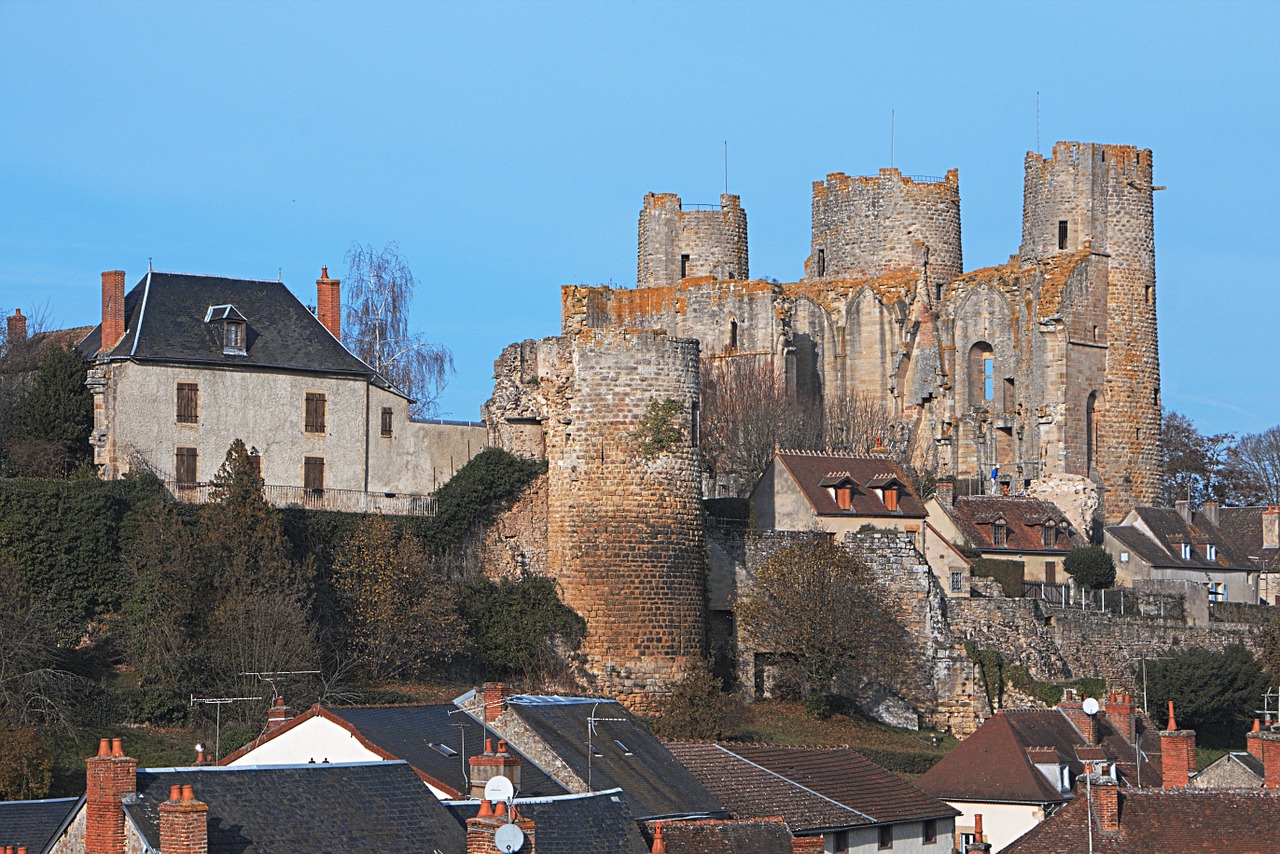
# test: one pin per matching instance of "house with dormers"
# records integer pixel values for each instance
(183, 365)
(1033, 532)
(1181, 544)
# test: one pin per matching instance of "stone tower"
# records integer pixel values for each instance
(624, 528)
(1098, 198)
(676, 243)
(866, 226)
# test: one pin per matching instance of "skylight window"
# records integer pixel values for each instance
(442, 749)
(623, 748)
(594, 750)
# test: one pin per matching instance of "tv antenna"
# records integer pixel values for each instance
(218, 703)
(270, 677)
(592, 720)
(463, 726)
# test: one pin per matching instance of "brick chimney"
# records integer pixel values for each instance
(979, 845)
(1120, 714)
(481, 829)
(1271, 527)
(492, 695)
(1270, 744)
(1177, 754)
(184, 823)
(1183, 507)
(329, 302)
(109, 777)
(17, 326)
(1210, 511)
(492, 763)
(112, 309)
(807, 845)
(1073, 707)
(1105, 795)
(659, 841)
(278, 715)
(1254, 740)
(945, 491)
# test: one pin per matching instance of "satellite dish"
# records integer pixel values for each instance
(509, 837)
(1090, 706)
(499, 788)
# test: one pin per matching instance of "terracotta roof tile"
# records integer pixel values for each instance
(1025, 518)
(814, 472)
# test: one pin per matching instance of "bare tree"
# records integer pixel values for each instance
(1257, 456)
(856, 423)
(376, 327)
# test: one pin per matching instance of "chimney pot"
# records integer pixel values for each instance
(117, 747)
(499, 809)
(488, 745)
(502, 745)
(188, 793)
(1173, 724)
(659, 843)
(104, 747)
(22, 849)
(175, 792)
(486, 809)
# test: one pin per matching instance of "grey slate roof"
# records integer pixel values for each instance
(33, 823)
(1243, 527)
(407, 732)
(165, 322)
(1170, 529)
(654, 784)
(303, 809)
(574, 824)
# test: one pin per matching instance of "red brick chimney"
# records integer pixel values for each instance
(1270, 758)
(184, 823)
(1254, 740)
(17, 326)
(807, 845)
(493, 695)
(112, 309)
(109, 777)
(329, 302)
(1271, 527)
(492, 763)
(278, 715)
(1120, 714)
(1105, 795)
(1177, 754)
(481, 830)
(979, 843)
(945, 491)
(1073, 707)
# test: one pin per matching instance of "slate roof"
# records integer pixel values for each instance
(1158, 821)
(33, 823)
(813, 472)
(573, 824)
(994, 764)
(295, 809)
(850, 779)
(165, 322)
(719, 836)
(1242, 526)
(407, 732)
(654, 784)
(749, 790)
(975, 516)
(1170, 530)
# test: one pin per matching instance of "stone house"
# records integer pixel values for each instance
(1033, 532)
(1181, 545)
(182, 365)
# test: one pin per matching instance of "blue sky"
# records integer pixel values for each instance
(507, 147)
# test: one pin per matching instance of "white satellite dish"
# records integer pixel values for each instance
(508, 838)
(499, 788)
(1090, 706)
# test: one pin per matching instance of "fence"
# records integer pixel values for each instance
(298, 497)
(1119, 600)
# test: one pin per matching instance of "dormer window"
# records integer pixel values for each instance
(231, 325)
(1050, 535)
(844, 496)
(1186, 551)
(1210, 552)
(999, 534)
(890, 498)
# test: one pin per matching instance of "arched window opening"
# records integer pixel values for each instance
(1090, 432)
(982, 374)
(733, 335)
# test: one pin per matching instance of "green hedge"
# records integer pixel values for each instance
(1010, 574)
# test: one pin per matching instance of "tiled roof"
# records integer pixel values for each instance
(718, 836)
(33, 823)
(812, 472)
(749, 790)
(1242, 526)
(1170, 530)
(293, 809)
(1024, 517)
(653, 783)
(574, 824)
(994, 765)
(1159, 821)
(165, 322)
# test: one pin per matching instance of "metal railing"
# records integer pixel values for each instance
(299, 497)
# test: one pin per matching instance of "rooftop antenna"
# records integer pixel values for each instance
(270, 676)
(218, 703)
(462, 726)
(592, 720)
(148, 265)
(279, 274)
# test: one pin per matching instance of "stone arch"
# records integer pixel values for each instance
(811, 346)
(871, 339)
(982, 374)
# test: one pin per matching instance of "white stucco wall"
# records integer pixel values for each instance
(314, 739)
(908, 837)
(1001, 823)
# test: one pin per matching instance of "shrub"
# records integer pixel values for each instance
(1091, 567)
(699, 709)
(477, 493)
(659, 430)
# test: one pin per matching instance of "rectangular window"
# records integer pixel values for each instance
(1050, 535)
(188, 403)
(313, 472)
(957, 582)
(255, 464)
(314, 413)
(386, 420)
(185, 466)
(840, 842)
(886, 837)
(1050, 572)
(999, 535)
(1062, 234)
(930, 832)
(684, 266)
(988, 377)
(822, 262)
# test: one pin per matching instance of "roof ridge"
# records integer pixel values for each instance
(215, 276)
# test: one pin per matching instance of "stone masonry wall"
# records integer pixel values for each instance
(715, 241)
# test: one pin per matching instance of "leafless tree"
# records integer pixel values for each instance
(1257, 456)
(379, 288)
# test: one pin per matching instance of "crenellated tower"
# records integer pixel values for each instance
(702, 241)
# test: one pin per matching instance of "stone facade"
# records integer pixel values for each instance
(624, 528)
(1046, 365)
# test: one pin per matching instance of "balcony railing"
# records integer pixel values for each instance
(299, 497)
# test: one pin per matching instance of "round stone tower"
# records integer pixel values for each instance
(866, 226)
(703, 241)
(1098, 198)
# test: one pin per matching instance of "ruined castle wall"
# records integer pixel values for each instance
(872, 347)
(515, 544)
(866, 226)
(715, 241)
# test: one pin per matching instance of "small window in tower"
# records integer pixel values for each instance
(1010, 396)
(822, 262)
(989, 377)
(1150, 292)
(684, 266)
(733, 335)
(1062, 234)
(1095, 332)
